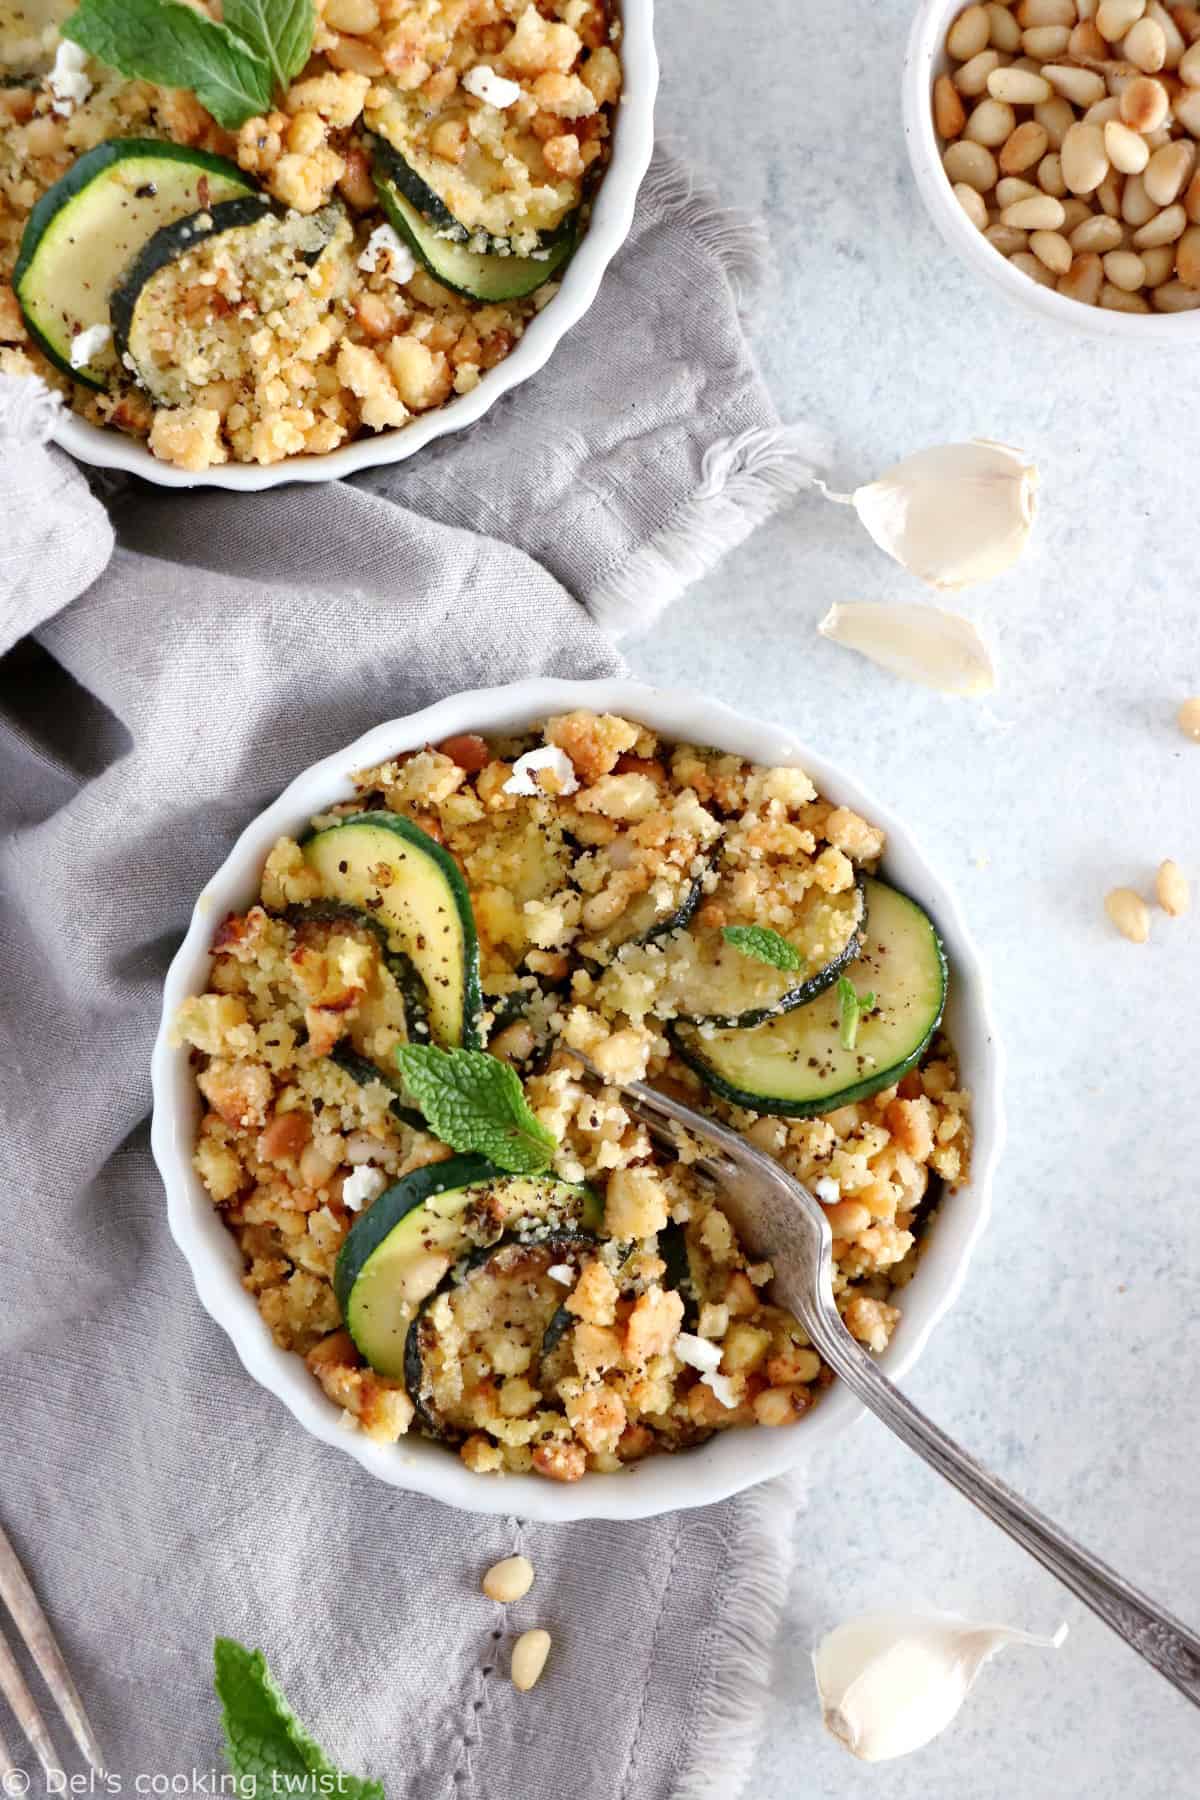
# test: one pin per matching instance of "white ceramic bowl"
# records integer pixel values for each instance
(612, 216)
(925, 60)
(733, 1460)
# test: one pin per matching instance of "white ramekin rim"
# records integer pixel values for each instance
(925, 58)
(732, 1461)
(612, 218)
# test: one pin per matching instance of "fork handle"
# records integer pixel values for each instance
(1161, 1640)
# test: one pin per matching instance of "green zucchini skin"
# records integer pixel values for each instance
(470, 273)
(439, 938)
(398, 965)
(390, 166)
(599, 953)
(411, 1191)
(71, 188)
(813, 1074)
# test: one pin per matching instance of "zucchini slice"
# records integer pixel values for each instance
(476, 275)
(648, 918)
(319, 918)
(797, 1065)
(386, 866)
(399, 1251)
(156, 334)
(505, 1292)
(364, 1071)
(87, 228)
(709, 981)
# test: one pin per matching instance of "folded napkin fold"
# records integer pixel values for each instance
(174, 659)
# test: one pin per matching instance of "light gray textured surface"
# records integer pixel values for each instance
(1071, 1360)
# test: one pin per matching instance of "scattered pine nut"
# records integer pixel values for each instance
(508, 1580)
(529, 1659)
(1188, 717)
(1129, 913)
(1171, 889)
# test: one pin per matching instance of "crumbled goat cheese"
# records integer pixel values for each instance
(66, 80)
(523, 779)
(86, 344)
(697, 1352)
(722, 1387)
(399, 263)
(486, 85)
(562, 1272)
(828, 1190)
(363, 1185)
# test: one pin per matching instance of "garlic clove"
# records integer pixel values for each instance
(953, 515)
(939, 649)
(890, 1682)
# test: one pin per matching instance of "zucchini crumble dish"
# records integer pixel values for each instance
(405, 1055)
(346, 226)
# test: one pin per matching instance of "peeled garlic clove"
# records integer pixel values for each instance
(891, 1682)
(921, 643)
(953, 515)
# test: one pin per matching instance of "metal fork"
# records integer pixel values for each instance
(779, 1219)
(34, 1628)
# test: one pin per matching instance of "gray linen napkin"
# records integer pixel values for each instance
(158, 695)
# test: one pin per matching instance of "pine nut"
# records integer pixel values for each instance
(1115, 299)
(971, 163)
(1164, 228)
(1191, 200)
(358, 17)
(1137, 208)
(508, 1580)
(1051, 248)
(992, 123)
(1074, 213)
(1018, 86)
(972, 203)
(1175, 43)
(1189, 67)
(1159, 264)
(949, 113)
(1046, 12)
(1129, 913)
(1044, 213)
(1168, 170)
(1005, 33)
(1125, 270)
(1103, 111)
(1188, 717)
(1045, 42)
(1144, 104)
(1187, 110)
(1026, 146)
(1171, 889)
(1187, 257)
(1056, 118)
(1146, 47)
(1010, 189)
(1084, 158)
(1187, 23)
(1098, 232)
(1086, 8)
(1050, 175)
(1175, 296)
(1083, 86)
(1029, 265)
(360, 59)
(1085, 43)
(1006, 239)
(971, 79)
(529, 1656)
(1083, 280)
(1114, 17)
(1126, 150)
(1118, 76)
(969, 33)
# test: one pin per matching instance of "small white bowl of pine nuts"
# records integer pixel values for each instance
(1056, 144)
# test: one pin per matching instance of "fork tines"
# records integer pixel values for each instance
(34, 1628)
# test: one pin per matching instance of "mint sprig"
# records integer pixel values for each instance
(764, 945)
(853, 1007)
(266, 1746)
(231, 67)
(473, 1101)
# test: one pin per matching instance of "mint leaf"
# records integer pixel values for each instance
(473, 1101)
(280, 31)
(172, 44)
(764, 945)
(265, 1744)
(852, 1008)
